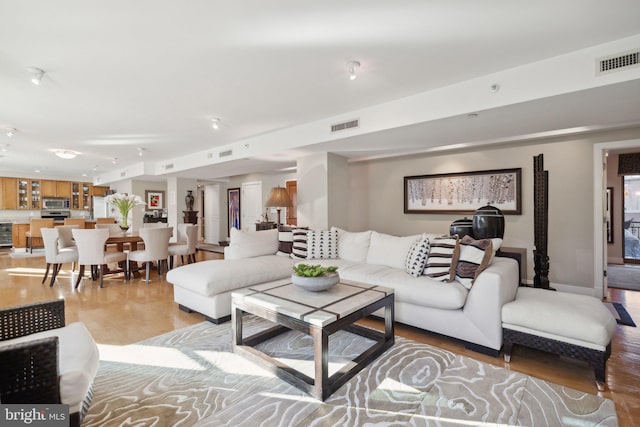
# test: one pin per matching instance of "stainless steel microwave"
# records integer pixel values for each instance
(55, 203)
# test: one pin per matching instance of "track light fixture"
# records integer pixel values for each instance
(10, 132)
(36, 75)
(215, 123)
(353, 67)
(140, 151)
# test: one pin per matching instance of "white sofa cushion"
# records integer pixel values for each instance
(577, 319)
(388, 250)
(78, 360)
(249, 244)
(414, 290)
(322, 244)
(353, 246)
(216, 276)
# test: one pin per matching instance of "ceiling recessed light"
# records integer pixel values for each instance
(494, 88)
(36, 75)
(66, 154)
(141, 151)
(114, 160)
(37, 171)
(353, 67)
(215, 123)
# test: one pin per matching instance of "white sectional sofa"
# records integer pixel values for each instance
(448, 308)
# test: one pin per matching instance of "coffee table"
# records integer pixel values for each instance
(318, 314)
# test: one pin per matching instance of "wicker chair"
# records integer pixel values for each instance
(33, 370)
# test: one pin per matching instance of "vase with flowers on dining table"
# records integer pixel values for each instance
(124, 203)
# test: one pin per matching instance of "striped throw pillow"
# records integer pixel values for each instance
(442, 259)
(475, 256)
(285, 240)
(299, 243)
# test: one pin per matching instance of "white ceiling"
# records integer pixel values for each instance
(122, 75)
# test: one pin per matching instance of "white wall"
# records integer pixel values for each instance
(376, 200)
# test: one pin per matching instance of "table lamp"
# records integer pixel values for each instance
(279, 198)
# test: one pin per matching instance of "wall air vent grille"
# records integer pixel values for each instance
(346, 125)
(168, 166)
(123, 174)
(618, 62)
(225, 153)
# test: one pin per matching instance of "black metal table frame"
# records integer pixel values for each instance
(322, 386)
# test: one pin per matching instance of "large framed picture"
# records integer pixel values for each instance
(233, 207)
(154, 199)
(464, 192)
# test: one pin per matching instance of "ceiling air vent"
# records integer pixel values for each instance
(346, 125)
(168, 166)
(225, 153)
(618, 62)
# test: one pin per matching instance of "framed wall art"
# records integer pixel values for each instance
(154, 199)
(233, 206)
(464, 192)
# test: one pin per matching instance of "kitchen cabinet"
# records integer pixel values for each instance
(48, 188)
(8, 193)
(18, 235)
(99, 190)
(63, 189)
(35, 198)
(81, 193)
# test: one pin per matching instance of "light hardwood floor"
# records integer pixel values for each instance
(126, 312)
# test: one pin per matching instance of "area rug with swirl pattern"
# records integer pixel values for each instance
(190, 377)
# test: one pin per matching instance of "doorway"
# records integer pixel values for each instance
(251, 205)
(631, 220)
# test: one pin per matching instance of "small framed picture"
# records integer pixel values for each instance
(233, 205)
(154, 199)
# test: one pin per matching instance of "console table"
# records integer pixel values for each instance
(266, 226)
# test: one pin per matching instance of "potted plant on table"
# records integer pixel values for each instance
(124, 203)
(315, 277)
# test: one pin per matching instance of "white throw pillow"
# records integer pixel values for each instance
(388, 250)
(249, 244)
(417, 257)
(353, 246)
(322, 244)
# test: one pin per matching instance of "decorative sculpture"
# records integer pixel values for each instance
(540, 223)
(188, 199)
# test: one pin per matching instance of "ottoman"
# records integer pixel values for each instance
(577, 326)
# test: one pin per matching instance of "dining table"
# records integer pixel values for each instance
(120, 240)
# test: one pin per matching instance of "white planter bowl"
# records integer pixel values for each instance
(316, 284)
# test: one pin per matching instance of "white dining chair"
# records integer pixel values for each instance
(66, 236)
(55, 256)
(114, 229)
(91, 252)
(155, 225)
(156, 248)
(188, 247)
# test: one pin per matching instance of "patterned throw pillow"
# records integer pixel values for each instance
(475, 256)
(322, 244)
(299, 243)
(417, 257)
(285, 240)
(442, 259)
